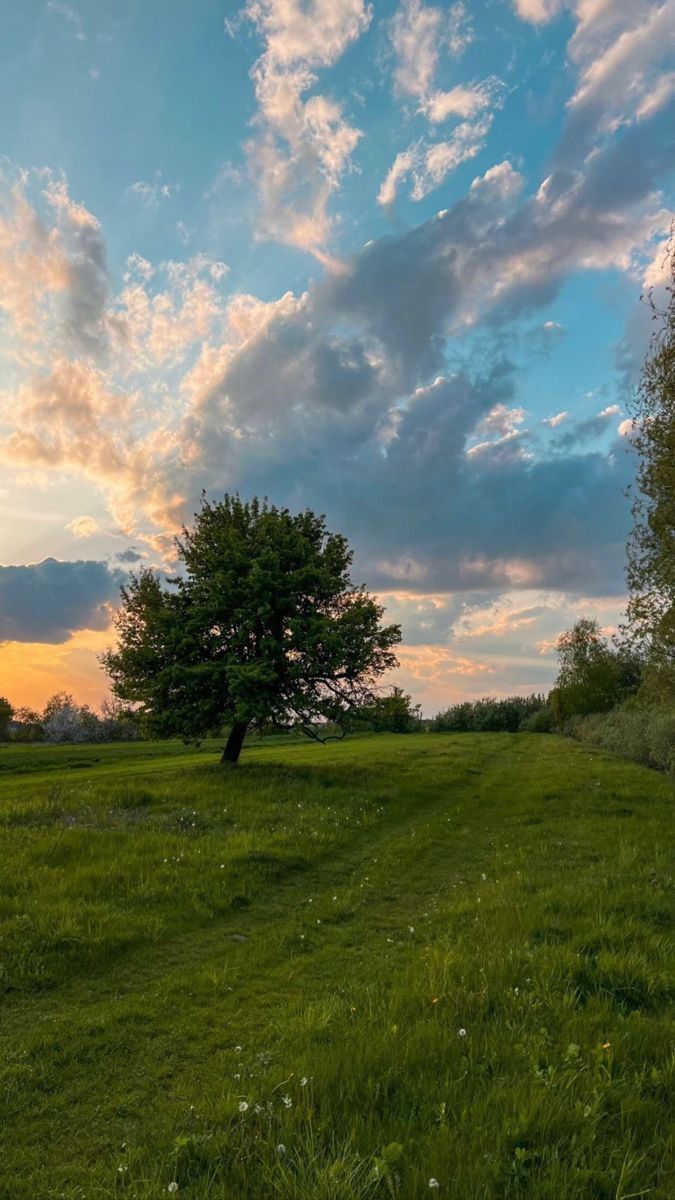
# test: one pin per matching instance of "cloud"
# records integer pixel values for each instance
(429, 164)
(50, 600)
(152, 193)
(418, 35)
(589, 429)
(343, 397)
(69, 14)
(624, 54)
(84, 527)
(53, 274)
(303, 146)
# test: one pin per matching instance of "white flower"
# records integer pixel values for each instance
(461, 1033)
(172, 1188)
(483, 876)
(243, 1107)
(287, 1102)
(237, 1049)
(411, 929)
(433, 1183)
(281, 1149)
(303, 1081)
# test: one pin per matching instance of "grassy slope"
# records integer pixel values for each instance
(391, 892)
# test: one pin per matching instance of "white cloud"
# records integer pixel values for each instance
(152, 193)
(419, 33)
(84, 527)
(303, 147)
(428, 164)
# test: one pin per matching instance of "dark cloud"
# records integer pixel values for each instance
(50, 600)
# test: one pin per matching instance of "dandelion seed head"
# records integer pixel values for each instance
(461, 1033)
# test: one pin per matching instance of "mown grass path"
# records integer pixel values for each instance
(461, 944)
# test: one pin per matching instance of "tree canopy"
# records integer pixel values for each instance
(651, 549)
(263, 625)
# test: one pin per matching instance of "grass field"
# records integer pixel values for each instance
(391, 967)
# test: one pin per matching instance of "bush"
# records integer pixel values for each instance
(646, 735)
(489, 715)
(394, 713)
(541, 721)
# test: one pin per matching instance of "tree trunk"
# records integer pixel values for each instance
(234, 743)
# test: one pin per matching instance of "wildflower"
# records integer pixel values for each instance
(243, 1107)
(287, 1102)
(258, 1108)
(303, 1081)
(483, 876)
(335, 897)
(172, 1188)
(411, 929)
(318, 920)
(281, 1149)
(461, 1033)
(606, 1045)
(237, 1049)
(433, 1183)
(435, 1000)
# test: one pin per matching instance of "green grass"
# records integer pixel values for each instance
(412, 958)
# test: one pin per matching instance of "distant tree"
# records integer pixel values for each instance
(119, 723)
(488, 715)
(6, 713)
(263, 627)
(27, 726)
(651, 548)
(65, 721)
(593, 674)
(393, 713)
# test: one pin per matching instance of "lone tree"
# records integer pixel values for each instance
(262, 627)
(651, 549)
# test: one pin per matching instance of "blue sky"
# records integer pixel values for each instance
(382, 260)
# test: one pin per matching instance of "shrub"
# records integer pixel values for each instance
(394, 713)
(541, 721)
(488, 715)
(646, 735)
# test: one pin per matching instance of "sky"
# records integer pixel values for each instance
(383, 260)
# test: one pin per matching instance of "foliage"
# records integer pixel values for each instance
(6, 712)
(593, 675)
(488, 715)
(263, 626)
(65, 721)
(393, 713)
(27, 726)
(541, 720)
(307, 939)
(646, 735)
(651, 548)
